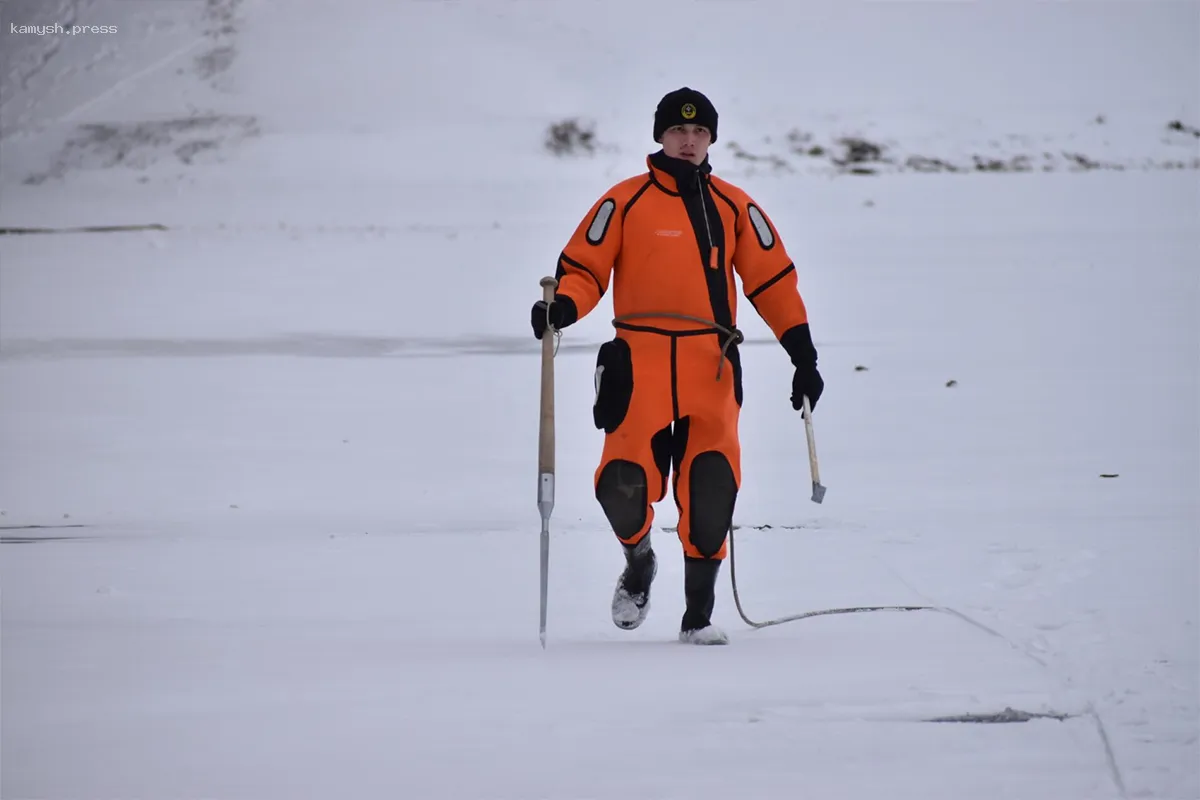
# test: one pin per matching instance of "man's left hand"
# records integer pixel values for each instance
(806, 381)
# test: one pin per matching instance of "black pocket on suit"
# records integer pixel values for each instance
(614, 384)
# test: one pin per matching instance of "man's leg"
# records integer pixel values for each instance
(707, 478)
(630, 478)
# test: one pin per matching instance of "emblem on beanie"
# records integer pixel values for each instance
(688, 111)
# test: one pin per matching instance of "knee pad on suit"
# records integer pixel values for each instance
(712, 491)
(621, 490)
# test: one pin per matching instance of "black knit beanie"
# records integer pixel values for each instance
(684, 106)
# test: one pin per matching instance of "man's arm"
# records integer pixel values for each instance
(770, 283)
(768, 274)
(586, 263)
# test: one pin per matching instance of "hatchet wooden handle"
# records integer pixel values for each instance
(812, 444)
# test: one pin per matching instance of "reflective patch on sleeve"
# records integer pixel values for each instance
(599, 226)
(762, 229)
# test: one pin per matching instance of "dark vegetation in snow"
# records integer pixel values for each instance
(859, 154)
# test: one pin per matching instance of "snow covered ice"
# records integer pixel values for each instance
(267, 470)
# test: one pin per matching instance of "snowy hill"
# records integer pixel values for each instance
(189, 83)
(267, 461)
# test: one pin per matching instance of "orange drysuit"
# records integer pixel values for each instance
(668, 386)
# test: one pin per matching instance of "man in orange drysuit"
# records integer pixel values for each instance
(669, 385)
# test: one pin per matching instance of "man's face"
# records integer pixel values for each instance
(689, 142)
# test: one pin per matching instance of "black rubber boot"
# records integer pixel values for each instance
(699, 590)
(631, 599)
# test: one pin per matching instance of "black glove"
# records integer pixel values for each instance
(807, 380)
(562, 313)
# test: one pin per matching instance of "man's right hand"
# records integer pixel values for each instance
(561, 314)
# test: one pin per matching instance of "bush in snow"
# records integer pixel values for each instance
(571, 137)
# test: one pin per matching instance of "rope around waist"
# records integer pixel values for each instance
(730, 335)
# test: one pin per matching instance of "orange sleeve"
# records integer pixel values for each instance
(768, 274)
(586, 263)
